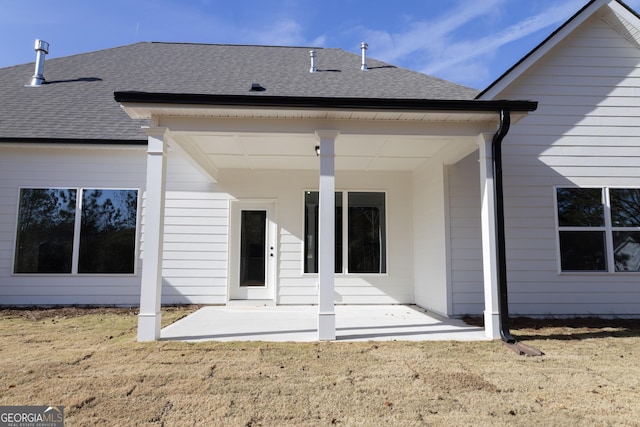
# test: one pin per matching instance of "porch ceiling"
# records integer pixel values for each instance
(283, 151)
(267, 139)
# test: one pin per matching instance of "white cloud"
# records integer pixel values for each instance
(319, 41)
(429, 36)
(281, 32)
(472, 49)
(443, 46)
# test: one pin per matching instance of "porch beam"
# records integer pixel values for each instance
(326, 241)
(489, 244)
(196, 158)
(151, 282)
(443, 127)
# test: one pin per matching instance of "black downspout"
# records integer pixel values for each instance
(496, 151)
(503, 300)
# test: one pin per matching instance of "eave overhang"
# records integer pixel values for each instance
(144, 105)
(220, 132)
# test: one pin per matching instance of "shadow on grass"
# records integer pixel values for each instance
(576, 328)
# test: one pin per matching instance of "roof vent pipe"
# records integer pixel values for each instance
(42, 48)
(312, 54)
(364, 48)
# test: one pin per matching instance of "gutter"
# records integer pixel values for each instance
(72, 141)
(268, 101)
(503, 294)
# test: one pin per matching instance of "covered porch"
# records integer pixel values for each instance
(225, 137)
(252, 322)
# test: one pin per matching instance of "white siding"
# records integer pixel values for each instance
(584, 133)
(430, 237)
(195, 249)
(196, 242)
(466, 240)
(287, 188)
(65, 168)
(195, 259)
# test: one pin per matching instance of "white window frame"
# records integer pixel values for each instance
(75, 257)
(345, 232)
(608, 230)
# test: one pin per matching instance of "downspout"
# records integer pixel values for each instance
(496, 152)
(503, 300)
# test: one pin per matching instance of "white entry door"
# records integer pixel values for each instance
(253, 250)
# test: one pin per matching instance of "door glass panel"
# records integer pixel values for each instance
(253, 239)
(311, 211)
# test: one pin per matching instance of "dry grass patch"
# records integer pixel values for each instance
(88, 361)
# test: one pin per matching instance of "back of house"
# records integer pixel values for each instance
(172, 173)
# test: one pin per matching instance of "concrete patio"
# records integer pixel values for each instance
(298, 324)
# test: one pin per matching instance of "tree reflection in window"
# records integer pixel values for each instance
(594, 236)
(625, 207)
(625, 218)
(47, 222)
(580, 207)
(44, 241)
(107, 234)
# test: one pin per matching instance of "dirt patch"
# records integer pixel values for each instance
(64, 312)
(526, 328)
(452, 382)
(569, 323)
(87, 360)
(39, 313)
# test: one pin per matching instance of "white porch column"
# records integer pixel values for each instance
(151, 283)
(326, 239)
(489, 246)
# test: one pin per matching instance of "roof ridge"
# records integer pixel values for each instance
(241, 45)
(91, 52)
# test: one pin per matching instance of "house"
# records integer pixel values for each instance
(164, 173)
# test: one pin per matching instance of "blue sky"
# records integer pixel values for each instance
(470, 42)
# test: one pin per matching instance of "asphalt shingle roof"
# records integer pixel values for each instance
(77, 102)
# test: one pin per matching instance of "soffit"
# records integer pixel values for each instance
(146, 111)
(623, 21)
(288, 152)
(283, 138)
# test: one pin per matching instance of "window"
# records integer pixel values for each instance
(46, 220)
(52, 238)
(364, 235)
(599, 229)
(311, 226)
